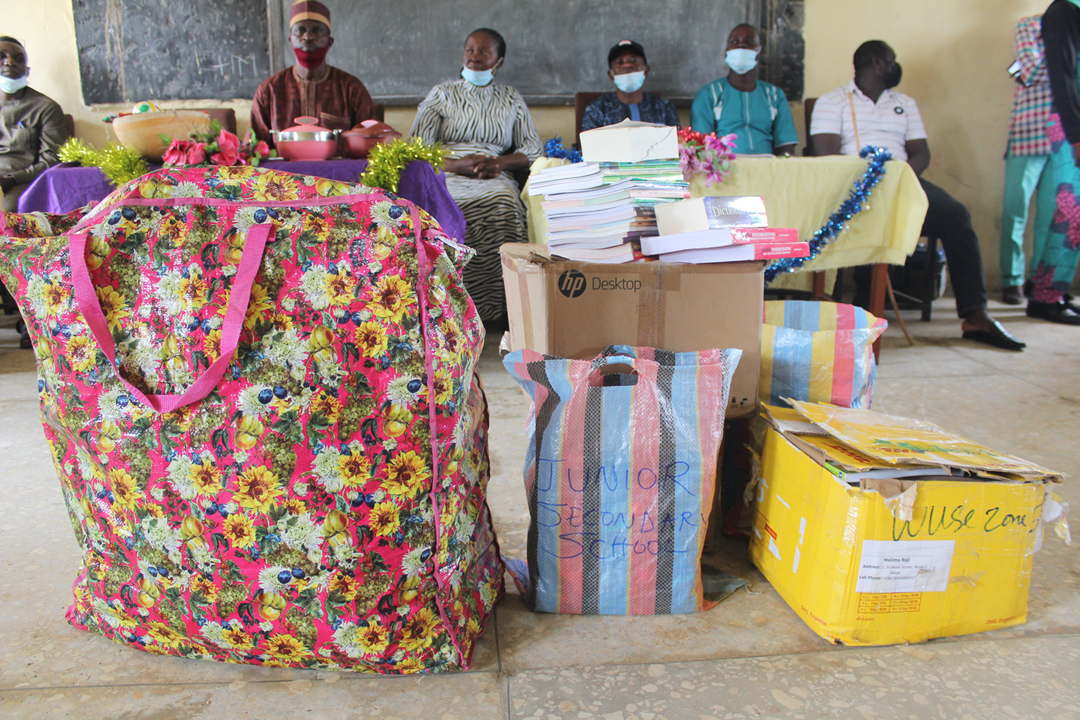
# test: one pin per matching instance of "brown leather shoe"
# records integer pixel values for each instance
(1011, 295)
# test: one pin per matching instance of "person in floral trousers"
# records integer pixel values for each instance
(1056, 262)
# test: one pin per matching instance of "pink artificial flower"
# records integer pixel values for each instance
(177, 152)
(196, 154)
(228, 149)
(262, 149)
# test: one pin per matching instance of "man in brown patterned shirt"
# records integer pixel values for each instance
(311, 87)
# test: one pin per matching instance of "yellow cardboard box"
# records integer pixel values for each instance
(859, 576)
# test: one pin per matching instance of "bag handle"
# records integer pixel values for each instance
(87, 301)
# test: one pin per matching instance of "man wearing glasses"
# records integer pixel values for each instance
(311, 87)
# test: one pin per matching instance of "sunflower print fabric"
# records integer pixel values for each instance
(295, 516)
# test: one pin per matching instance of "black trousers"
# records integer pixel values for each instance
(950, 222)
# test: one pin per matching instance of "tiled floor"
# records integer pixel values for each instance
(750, 657)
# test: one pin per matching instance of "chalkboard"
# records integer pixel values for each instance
(401, 48)
(132, 50)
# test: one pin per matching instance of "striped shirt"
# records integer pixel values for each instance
(1032, 101)
(889, 123)
(490, 120)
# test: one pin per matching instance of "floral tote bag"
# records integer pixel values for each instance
(259, 392)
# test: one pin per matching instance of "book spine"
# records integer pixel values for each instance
(777, 252)
(756, 236)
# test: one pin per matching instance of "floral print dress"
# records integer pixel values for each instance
(301, 514)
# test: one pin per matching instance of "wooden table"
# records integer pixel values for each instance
(802, 193)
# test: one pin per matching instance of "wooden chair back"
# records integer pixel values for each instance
(582, 100)
(808, 110)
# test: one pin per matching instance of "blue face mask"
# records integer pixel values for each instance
(479, 78)
(630, 82)
(741, 61)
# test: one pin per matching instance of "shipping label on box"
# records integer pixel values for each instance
(577, 309)
(857, 574)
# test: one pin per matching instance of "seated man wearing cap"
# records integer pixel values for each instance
(628, 68)
(311, 88)
(755, 111)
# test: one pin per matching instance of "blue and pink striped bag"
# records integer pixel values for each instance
(818, 352)
(619, 473)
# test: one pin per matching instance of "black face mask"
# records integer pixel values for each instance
(892, 78)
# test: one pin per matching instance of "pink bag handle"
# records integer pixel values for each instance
(90, 307)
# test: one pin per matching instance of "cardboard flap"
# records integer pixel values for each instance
(893, 440)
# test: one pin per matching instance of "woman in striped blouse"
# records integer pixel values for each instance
(489, 133)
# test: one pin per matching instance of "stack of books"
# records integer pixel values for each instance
(599, 212)
(720, 229)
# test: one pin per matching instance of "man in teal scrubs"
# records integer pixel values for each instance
(756, 111)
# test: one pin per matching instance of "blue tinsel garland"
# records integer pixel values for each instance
(553, 148)
(837, 222)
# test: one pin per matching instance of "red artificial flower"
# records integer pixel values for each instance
(228, 149)
(262, 149)
(196, 154)
(177, 152)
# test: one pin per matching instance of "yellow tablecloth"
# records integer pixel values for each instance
(802, 193)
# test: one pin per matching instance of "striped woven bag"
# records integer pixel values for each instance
(619, 473)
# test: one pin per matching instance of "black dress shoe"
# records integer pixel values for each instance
(997, 336)
(1058, 312)
(1011, 295)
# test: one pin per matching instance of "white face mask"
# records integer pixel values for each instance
(741, 61)
(479, 78)
(630, 82)
(14, 85)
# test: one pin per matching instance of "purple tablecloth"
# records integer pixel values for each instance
(64, 188)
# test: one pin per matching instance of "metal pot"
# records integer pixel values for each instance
(306, 141)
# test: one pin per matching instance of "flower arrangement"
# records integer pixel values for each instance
(119, 163)
(217, 147)
(709, 154)
(387, 160)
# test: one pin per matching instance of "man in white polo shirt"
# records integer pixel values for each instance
(867, 111)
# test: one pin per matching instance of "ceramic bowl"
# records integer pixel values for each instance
(361, 139)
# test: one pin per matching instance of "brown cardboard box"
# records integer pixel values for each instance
(576, 309)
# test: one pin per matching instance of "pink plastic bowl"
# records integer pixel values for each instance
(307, 149)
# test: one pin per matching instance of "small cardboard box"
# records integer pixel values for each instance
(630, 141)
(860, 576)
(576, 309)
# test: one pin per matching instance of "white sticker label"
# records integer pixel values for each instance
(905, 566)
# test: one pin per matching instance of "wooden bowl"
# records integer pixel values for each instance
(140, 131)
